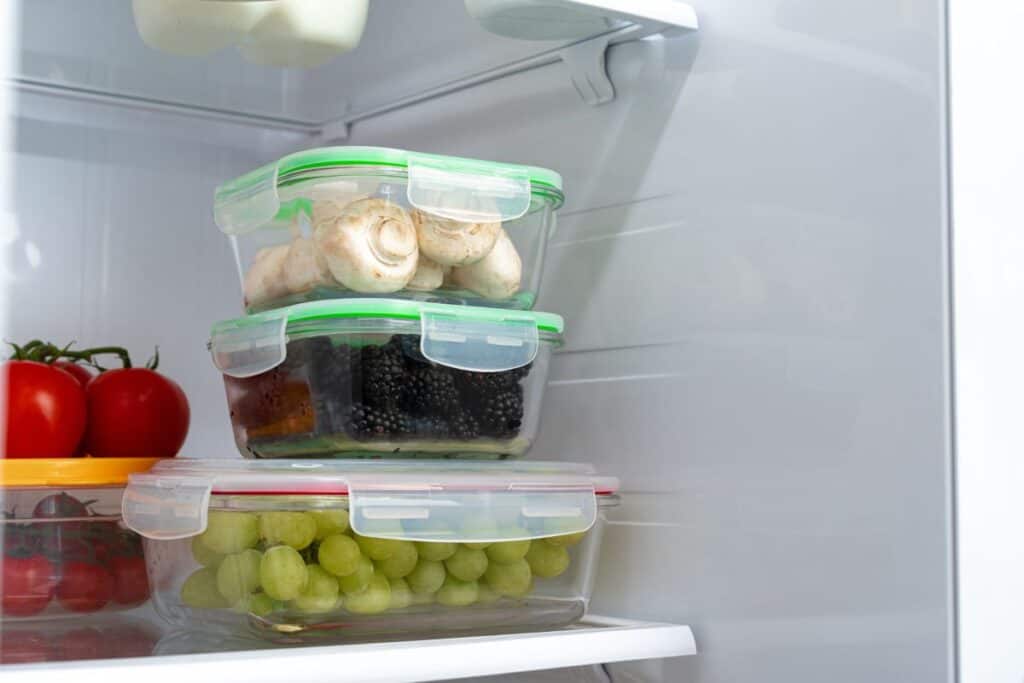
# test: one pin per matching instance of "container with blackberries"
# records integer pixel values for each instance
(385, 378)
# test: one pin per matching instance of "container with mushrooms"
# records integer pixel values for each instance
(360, 222)
(374, 377)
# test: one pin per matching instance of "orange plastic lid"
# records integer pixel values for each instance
(65, 472)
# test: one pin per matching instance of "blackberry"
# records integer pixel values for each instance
(464, 426)
(501, 414)
(429, 391)
(383, 372)
(369, 422)
(482, 384)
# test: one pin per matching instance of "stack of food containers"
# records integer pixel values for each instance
(387, 367)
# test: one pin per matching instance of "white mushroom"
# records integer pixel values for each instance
(370, 247)
(429, 275)
(497, 275)
(454, 243)
(264, 281)
(305, 267)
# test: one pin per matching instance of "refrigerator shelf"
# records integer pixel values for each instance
(595, 640)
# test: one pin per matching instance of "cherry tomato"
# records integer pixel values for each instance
(79, 372)
(27, 585)
(135, 412)
(23, 647)
(131, 587)
(84, 586)
(45, 411)
(60, 505)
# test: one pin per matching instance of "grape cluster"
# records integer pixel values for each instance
(301, 563)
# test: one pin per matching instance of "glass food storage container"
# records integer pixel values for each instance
(369, 221)
(368, 548)
(385, 378)
(65, 549)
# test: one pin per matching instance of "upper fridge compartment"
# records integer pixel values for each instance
(369, 221)
(231, 66)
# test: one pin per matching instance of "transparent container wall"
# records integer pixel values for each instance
(376, 395)
(106, 636)
(231, 578)
(67, 553)
(290, 259)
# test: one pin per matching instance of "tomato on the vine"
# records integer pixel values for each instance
(131, 587)
(27, 585)
(46, 411)
(135, 412)
(76, 370)
(84, 586)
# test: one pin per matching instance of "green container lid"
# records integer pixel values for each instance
(462, 189)
(465, 337)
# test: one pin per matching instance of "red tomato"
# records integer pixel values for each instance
(27, 585)
(84, 587)
(79, 372)
(45, 411)
(131, 587)
(23, 647)
(135, 413)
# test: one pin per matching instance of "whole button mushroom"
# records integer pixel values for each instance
(264, 280)
(370, 247)
(429, 275)
(454, 243)
(305, 268)
(497, 275)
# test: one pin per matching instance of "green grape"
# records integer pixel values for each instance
(203, 555)
(546, 560)
(259, 604)
(507, 551)
(435, 551)
(426, 577)
(510, 580)
(480, 527)
(374, 599)
(378, 548)
(566, 540)
(401, 596)
(467, 563)
(485, 595)
(401, 562)
(230, 532)
(200, 590)
(283, 573)
(457, 593)
(296, 529)
(239, 574)
(338, 554)
(358, 580)
(423, 598)
(321, 592)
(329, 522)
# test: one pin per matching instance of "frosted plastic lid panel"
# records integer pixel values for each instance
(465, 337)
(461, 189)
(431, 501)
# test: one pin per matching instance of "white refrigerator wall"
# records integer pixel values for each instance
(751, 263)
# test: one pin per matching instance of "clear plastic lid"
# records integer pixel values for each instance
(471, 338)
(461, 189)
(455, 501)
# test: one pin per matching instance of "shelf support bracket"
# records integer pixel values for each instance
(588, 70)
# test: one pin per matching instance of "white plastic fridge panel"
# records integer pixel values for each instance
(751, 263)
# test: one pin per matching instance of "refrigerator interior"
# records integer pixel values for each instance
(751, 263)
